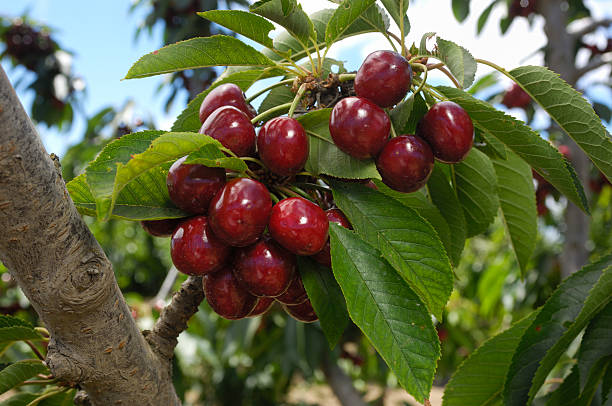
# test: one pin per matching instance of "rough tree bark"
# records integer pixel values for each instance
(61, 268)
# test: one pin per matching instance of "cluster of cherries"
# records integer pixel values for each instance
(360, 126)
(27, 44)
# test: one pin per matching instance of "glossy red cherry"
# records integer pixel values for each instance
(239, 213)
(282, 145)
(405, 163)
(263, 305)
(195, 250)
(516, 97)
(335, 216)
(302, 312)
(161, 228)
(265, 268)
(295, 293)
(448, 130)
(227, 94)
(384, 78)
(359, 127)
(226, 296)
(192, 187)
(299, 225)
(232, 128)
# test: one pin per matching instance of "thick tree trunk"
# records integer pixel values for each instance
(62, 270)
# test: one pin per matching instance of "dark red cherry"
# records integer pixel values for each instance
(239, 213)
(232, 128)
(161, 228)
(265, 268)
(302, 312)
(295, 293)
(227, 94)
(405, 163)
(192, 187)
(299, 225)
(516, 97)
(282, 145)
(448, 130)
(226, 296)
(195, 250)
(384, 78)
(335, 216)
(359, 127)
(263, 305)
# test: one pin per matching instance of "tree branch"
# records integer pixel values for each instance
(341, 384)
(68, 279)
(595, 63)
(592, 26)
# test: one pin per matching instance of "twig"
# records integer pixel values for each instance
(595, 24)
(35, 350)
(595, 63)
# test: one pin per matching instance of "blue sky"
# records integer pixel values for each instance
(101, 36)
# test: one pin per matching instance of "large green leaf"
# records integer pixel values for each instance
(325, 158)
(526, 143)
(405, 239)
(445, 199)
(346, 13)
(15, 329)
(459, 60)
(218, 50)
(570, 110)
(461, 9)
(563, 316)
(398, 10)
(517, 200)
(248, 24)
(479, 380)
(477, 191)
(18, 372)
(389, 313)
(596, 343)
(294, 19)
(326, 298)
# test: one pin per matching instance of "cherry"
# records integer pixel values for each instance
(232, 128)
(334, 216)
(516, 97)
(359, 127)
(263, 305)
(448, 130)
(226, 296)
(265, 268)
(302, 312)
(283, 146)
(295, 293)
(195, 250)
(192, 186)
(227, 94)
(161, 228)
(239, 213)
(299, 225)
(522, 8)
(565, 151)
(405, 163)
(384, 78)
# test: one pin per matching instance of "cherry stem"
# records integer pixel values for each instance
(313, 186)
(290, 62)
(233, 155)
(296, 99)
(345, 77)
(274, 198)
(425, 70)
(35, 350)
(389, 35)
(402, 29)
(257, 161)
(393, 133)
(39, 382)
(300, 192)
(286, 191)
(266, 113)
(47, 395)
(264, 90)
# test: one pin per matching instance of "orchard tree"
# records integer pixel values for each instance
(353, 202)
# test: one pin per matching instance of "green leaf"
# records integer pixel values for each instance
(419, 202)
(389, 313)
(276, 97)
(492, 146)
(326, 298)
(461, 9)
(18, 372)
(479, 380)
(346, 13)
(563, 316)
(459, 60)
(241, 22)
(218, 50)
(210, 155)
(100, 174)
(484, 82)
(570, 394)
(294, 19)
(11, 321)
(570, 110)
(325, 158)
(15, 329)
(596, 343)
(398, 10)
(484, 16)
(423, 44)
(526, 143)
(405, 239)
(444, 197)
(517, 200)
(477, 191)
(24, 398)
(419, 109)
(606, 388)
(401, 114)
